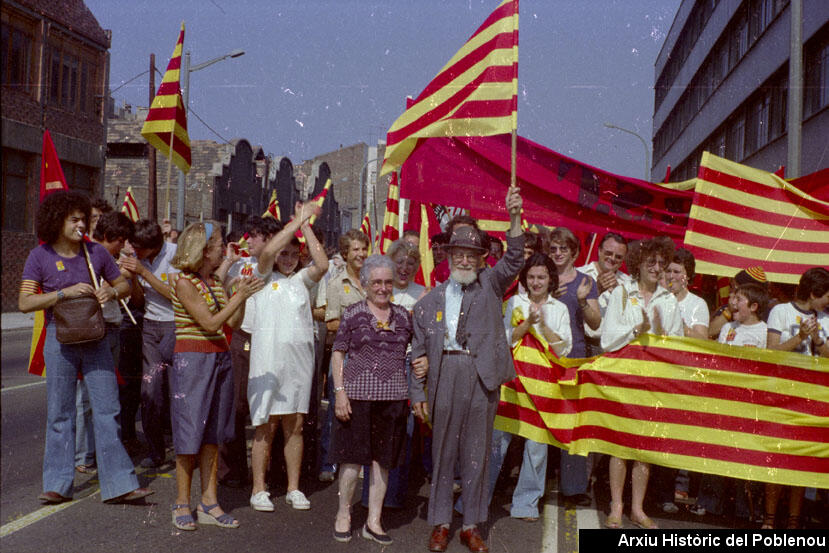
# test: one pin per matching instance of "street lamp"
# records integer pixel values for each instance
(644, 143)
(185, 93)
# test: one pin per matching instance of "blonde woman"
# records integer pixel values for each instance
(201, 379)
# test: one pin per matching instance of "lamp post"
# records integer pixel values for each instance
(644, 143)
(365, 166)
(185, 93)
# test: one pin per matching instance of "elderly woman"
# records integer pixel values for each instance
(406, 258)
(201, 380)
(55, 270)
(371, 392)
(631, 311)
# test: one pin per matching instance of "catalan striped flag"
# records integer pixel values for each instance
(273, 208)
(166, 122)
(365, 228)
(428, 226)
(320, 199)
(475, 94)
(683, 403)
(391, 219)
(130, 207)
(742, 217)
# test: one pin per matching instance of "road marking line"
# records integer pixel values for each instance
(21, 386)
(39, 515)
(549, 536)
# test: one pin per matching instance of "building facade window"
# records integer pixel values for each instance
(817, 80)
(72, 77)
(15, 188)
(16, 51)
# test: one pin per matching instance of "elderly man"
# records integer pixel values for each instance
(458, 328)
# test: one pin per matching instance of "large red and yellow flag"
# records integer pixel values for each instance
(698, 405)
(475, 94)
(130, 207)
(166, 122)
(365, 228)
(391, 219)
(52, 179)
(742, 217)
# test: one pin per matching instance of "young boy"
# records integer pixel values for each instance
(746, 327)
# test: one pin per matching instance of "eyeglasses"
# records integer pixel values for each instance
(562, 249)
(378, 283)
(459, 257)
(611, 255)
(653, 262)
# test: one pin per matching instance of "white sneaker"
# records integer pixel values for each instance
(298, 501)
(261, 501)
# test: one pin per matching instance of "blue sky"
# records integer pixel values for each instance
(318, 74)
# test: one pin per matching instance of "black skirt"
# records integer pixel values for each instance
(376, 431)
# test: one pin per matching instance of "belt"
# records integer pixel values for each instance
(457, 352)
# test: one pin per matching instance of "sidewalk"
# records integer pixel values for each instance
(14, 320)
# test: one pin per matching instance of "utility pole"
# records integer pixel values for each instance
(152, 193)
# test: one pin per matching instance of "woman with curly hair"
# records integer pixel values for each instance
(643, 306)
(201, 379)
(55, 270)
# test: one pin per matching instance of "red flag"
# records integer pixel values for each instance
(51, 180)
(475, 94)
(51, 173)
(273, 208)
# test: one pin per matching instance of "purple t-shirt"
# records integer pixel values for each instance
(51, 271)
(375, 369)
(571, 300)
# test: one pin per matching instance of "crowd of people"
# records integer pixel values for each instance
(208, 337)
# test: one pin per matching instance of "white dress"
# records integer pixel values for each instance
(281, 347)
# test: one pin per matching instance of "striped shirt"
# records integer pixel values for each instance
(189, 335)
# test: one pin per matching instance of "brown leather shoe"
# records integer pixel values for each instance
(472, 539)
(439, 539)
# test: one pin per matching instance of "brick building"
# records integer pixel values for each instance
(227, 182)
(55, 71)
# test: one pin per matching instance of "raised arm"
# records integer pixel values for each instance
(320, 266)
(282, 238)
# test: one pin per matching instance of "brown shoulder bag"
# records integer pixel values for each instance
(81, 319)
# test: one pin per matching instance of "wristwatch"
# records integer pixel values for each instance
(61, 295)
(339, 389)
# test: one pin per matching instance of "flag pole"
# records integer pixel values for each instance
(514, 142)
(169, 172)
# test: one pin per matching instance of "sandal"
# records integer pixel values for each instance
(768, 522)
(86, 469)
(647, 523)
(343, 537)
(183, 522)
(793, 522)
(224, 520)
(613, 522)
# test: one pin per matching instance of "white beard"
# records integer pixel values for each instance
(463, 277)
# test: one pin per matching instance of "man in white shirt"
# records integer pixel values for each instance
(158, 334)
(608, 275)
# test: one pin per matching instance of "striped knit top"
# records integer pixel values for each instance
(189, 335)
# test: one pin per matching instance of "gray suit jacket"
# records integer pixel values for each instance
(486, 338)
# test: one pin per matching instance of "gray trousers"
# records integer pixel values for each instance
(462, 420)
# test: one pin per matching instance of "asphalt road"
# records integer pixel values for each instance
(88, 525)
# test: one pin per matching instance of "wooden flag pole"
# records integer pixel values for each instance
(169, 171)
(514, 143)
